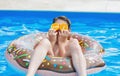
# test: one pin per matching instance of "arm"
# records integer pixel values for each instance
(63, 38)
(62, 50)
(50, 51)
(52, 38)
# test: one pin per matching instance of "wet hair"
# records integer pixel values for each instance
(64, 19)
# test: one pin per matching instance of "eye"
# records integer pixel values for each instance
(63, 26)
(55, 26)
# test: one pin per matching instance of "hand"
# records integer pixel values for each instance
(52, 36)
(63, 36)
(62, 41)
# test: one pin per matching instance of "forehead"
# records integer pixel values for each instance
(60, 21)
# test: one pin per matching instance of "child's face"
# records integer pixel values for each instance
(63, 25)
(59, 21)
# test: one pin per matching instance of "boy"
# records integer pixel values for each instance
(58, 44)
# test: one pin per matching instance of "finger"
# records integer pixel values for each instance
(63, 32)
(68, 33)
(52, 31)
(60, 32)
(49, 31)
(55, 33)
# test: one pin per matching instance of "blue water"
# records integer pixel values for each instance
(104, 27)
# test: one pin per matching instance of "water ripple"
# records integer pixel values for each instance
(2, 68)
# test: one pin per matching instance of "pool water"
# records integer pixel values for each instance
(103, 27)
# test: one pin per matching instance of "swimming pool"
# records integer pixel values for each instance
(104, 27)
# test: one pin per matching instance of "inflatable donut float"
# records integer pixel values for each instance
(20, 50)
